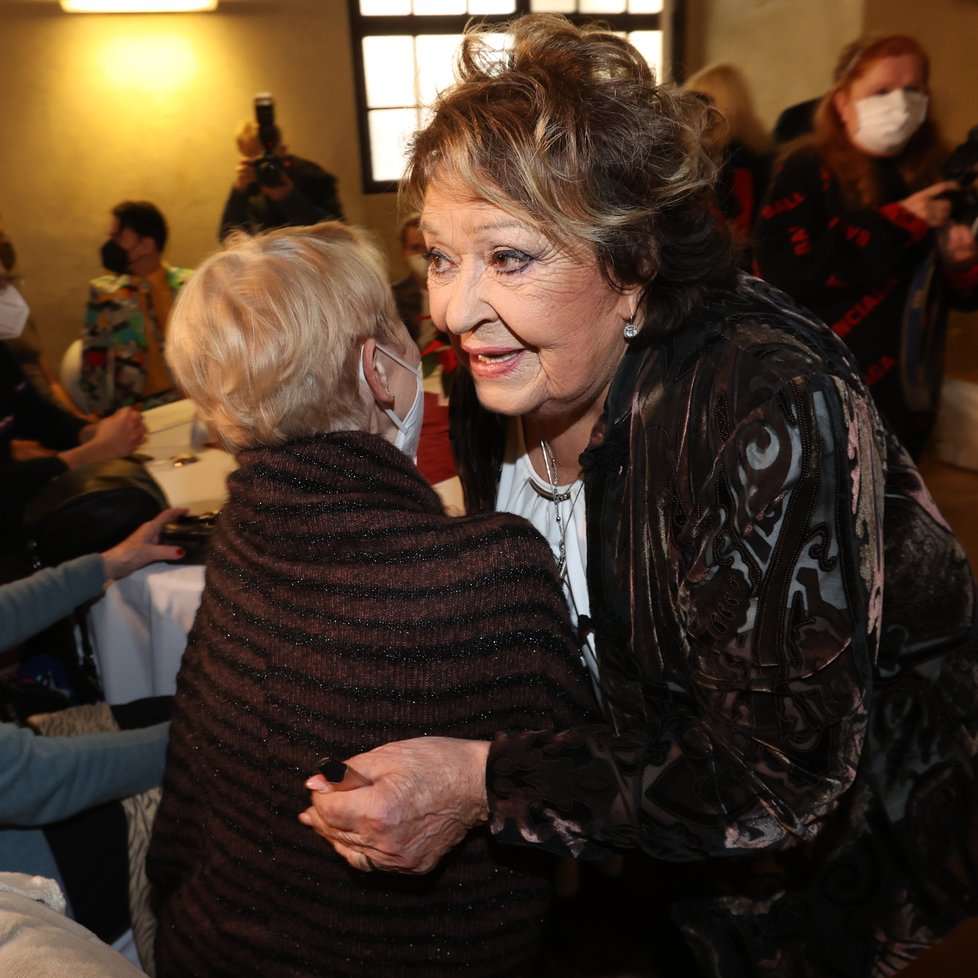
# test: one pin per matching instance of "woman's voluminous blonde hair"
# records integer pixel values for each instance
(265, 336)
(567, 129)
(727, 88)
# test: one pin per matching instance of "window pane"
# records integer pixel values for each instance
(405, 73)
(390, 130)
(602, 6)
(650, 44)
(553, 6)
(436, 63)
(492, 6)
(388, 64)
(384, 8)
(439, 6)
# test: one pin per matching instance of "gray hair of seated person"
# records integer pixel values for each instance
(566, 128)
(266, 335)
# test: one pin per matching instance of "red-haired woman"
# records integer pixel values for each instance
(859, 227)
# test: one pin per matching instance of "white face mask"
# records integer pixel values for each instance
(419, 266)
(885, 123)
(14, 312)
(408, 430)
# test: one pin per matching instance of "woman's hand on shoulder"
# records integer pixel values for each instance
(427, 793)
(929, 204)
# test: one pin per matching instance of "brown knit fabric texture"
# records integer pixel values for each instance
(343, 610)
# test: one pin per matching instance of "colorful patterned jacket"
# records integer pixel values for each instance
(114, 343)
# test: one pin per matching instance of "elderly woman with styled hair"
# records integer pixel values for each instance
(781, 624)
(341, 609)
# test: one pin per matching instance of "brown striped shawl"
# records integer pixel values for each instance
(342, 610)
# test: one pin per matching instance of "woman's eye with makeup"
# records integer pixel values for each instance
(437, 262)
(509, 260)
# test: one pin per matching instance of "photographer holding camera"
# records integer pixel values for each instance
(862, 224)
(272, 188)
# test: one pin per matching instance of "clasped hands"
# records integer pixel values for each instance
(427, 793)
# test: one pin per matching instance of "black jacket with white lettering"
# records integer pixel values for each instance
(873, 275)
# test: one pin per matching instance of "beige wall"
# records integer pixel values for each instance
(97, 109)
(786, 48)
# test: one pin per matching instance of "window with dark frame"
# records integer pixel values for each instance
(404, 51)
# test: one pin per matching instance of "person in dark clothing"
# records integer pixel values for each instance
(857, 226)
(26, 348)
(39, 440)
(341, 607)
(782, 626)
(306, 194)
(411, 292)
(744, 146)
(796, 120)
(59, 811)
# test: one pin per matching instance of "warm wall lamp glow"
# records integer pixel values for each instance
(136, 6)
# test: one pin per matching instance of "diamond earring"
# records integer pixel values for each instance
(630, 331)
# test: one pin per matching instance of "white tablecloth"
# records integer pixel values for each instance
(139, 627)
(139, 630)
(189, 473)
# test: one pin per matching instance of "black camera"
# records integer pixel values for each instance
(962, 167)
(269, 167)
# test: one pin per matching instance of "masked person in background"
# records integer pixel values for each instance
(411, 292)
(124, 336)
(859, 227)
(26, 347)
(438, 360)
(38, 439)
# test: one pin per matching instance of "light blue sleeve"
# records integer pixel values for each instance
(29, 605)
(46, 779)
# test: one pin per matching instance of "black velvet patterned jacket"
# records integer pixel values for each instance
(766, 692)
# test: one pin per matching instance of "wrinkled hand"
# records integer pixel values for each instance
(141, 547)
(957, 245)
(427, 793)
(928, 205)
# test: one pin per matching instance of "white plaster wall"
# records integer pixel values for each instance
(786, 48)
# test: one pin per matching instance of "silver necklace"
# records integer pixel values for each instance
(558, 497)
